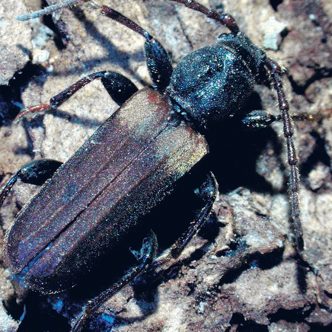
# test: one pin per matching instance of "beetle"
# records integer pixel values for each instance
(133, 160)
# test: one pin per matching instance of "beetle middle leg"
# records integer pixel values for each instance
(35, 172)
(145, 257)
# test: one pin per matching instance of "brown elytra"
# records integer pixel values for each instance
(131, 161)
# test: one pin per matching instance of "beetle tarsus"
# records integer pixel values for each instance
(145, 257)
(33, 109)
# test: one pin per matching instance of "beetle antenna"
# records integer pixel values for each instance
(293, 184)
(225, 19)
(47, 10)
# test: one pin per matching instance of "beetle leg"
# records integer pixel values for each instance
(34, 172)
(259, 119)
(225, 19)
(262, 119)
(145, 257)
(118, 86)
(157, 60)
(207, 193)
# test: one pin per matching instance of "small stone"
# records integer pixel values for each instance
(40, 56)
(272, 35)
(318, 176)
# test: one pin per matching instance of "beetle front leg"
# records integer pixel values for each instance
(118, 86)
(225, 19)
(34, 172)
(145, 257)
(157, 60)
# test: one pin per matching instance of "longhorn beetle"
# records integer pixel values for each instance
(133, 160)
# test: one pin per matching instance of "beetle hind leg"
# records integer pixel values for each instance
(145, 256)
(207, 193)
(34, 172)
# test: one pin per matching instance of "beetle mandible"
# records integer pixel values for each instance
(153, 139)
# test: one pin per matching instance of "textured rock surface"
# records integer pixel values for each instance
(15, 40)
(243, 276)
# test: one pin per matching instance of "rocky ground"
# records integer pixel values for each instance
(239, 274)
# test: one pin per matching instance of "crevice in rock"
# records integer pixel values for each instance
(13, 308)
(315, 327)
(275, 3)
(319, 74)
(291, 315)
(242, 324)
(11, 94)
(183, 28)
(236, 246)
(253, 260)
(319, 155)
(217, 6)
(50, 320)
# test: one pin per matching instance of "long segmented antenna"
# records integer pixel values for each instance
(48, 10)
(293, 184)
